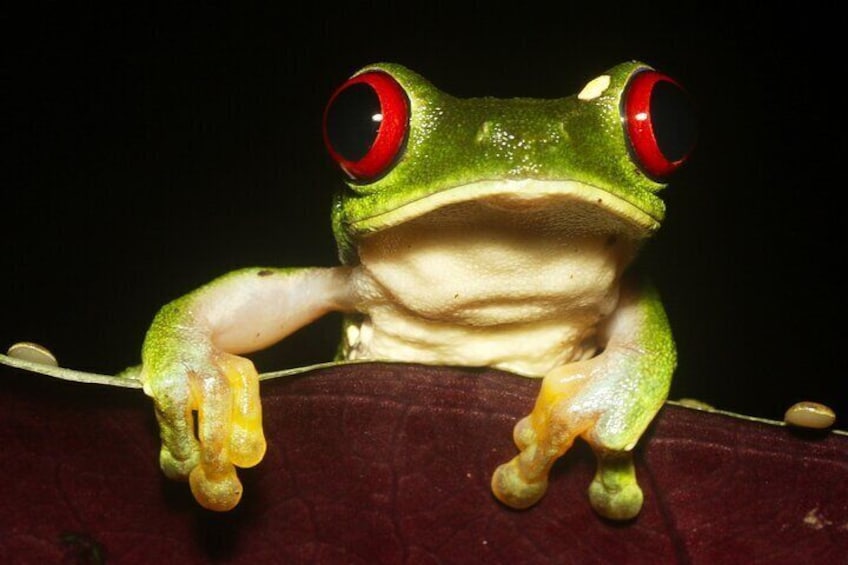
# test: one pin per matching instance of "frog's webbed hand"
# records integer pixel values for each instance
(190, 367)
(608, 400)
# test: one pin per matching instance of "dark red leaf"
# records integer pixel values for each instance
(391, 464)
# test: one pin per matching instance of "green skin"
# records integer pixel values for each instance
(601, 344)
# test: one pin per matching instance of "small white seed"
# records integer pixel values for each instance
(28, 351)
(810, 415)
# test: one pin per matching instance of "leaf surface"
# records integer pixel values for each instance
(384, 463)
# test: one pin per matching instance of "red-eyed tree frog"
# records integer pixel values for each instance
(472, 232)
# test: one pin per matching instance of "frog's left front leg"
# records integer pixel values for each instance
(608, 400)
(206, 396)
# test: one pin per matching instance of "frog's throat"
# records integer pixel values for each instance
(528, 192)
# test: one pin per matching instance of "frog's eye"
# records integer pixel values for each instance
(366, 123)
(659, 121)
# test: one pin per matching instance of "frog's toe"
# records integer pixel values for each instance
(229, 429)
(614, 492)
(180, 451)
(523, 434)
(247, 446)
(215, 491)
(246, 438)
(621, 502)
(511, 488)
(175, 468)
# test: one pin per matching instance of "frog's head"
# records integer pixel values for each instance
(598, 158)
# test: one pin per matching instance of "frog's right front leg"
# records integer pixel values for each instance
(190, 365)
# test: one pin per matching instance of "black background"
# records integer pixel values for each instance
(153, 149)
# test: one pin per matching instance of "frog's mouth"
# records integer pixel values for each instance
(561, 204)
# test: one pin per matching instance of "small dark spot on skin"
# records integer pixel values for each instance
(612, 240)
(600, 200)
(456, 295)
(265, 272)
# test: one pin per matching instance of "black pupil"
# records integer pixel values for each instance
(353, 121)
(673, 120)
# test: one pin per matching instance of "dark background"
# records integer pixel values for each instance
(151, 150)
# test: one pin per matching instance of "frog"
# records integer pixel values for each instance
(471, 232)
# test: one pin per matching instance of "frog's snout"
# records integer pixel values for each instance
(519, 136)
(518, 146)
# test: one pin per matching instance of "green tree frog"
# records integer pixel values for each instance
(472, 232)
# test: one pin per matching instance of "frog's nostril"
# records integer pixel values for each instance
(484, 132)
(561, 133)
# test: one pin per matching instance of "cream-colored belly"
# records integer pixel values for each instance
(508, 292)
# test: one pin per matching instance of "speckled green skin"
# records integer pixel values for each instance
(455, 141)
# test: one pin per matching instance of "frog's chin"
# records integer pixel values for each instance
(564, 203)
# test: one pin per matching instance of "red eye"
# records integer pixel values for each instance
(660, 123)
(366, 124)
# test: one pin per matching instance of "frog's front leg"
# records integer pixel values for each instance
(608, 400)
(190, 366)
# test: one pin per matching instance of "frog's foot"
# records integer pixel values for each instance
(542, 437)
(225, 396)
(614, 492)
